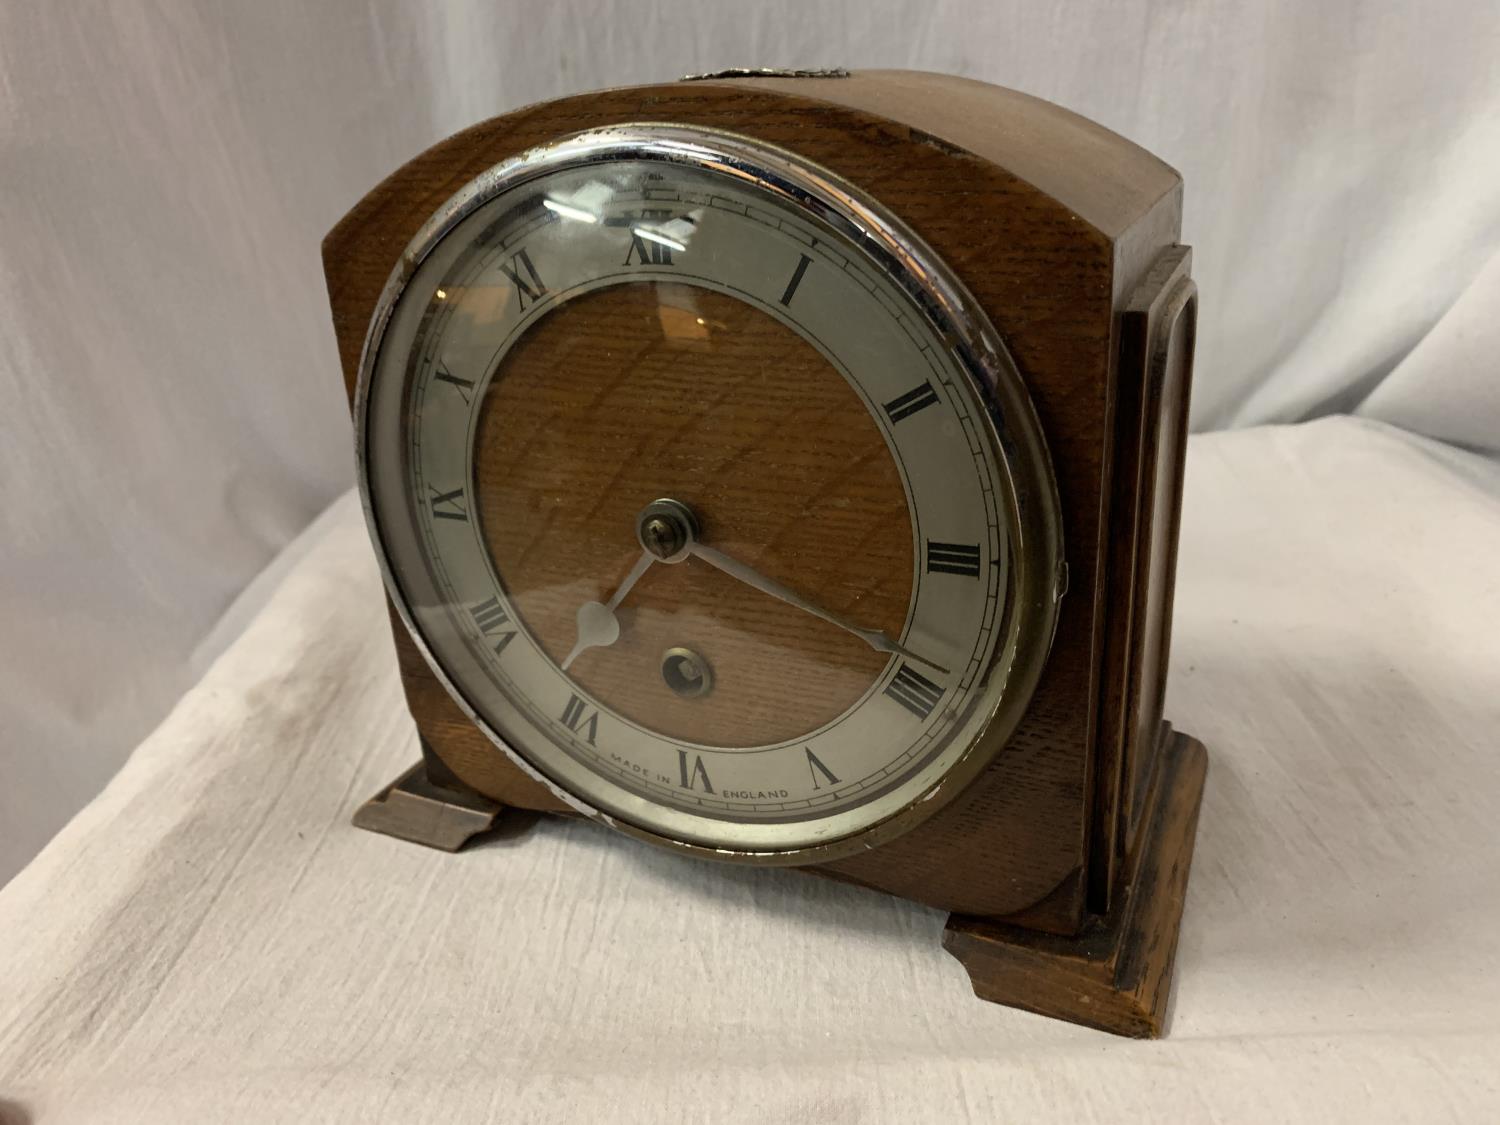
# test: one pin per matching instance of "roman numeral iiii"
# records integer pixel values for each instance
(914, 691)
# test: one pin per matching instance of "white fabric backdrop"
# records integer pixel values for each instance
(212, 941)
(172, 406)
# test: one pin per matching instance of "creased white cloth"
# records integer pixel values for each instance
(210, 940)
(172, 411)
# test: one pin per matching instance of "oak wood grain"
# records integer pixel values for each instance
(675, 390)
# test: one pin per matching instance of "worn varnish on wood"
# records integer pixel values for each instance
(1066, 234)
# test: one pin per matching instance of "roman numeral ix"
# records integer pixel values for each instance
(953, 558)
(914, 691)
(492, 620)
(524, 277)
(448, 505)
(918, 398)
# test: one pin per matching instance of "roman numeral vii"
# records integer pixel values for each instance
(579, 718)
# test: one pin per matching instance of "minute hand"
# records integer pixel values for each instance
(735, 569)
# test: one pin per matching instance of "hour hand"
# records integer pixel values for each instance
(598, 626)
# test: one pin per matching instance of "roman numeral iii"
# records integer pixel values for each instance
(953, 558)
(914, 691)
(524, 277)
(904, 406)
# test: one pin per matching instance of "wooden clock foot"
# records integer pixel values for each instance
(428, 805)
(1117, 975)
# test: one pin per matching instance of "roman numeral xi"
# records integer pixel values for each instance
(524, 277)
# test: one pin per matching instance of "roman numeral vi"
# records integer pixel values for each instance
(690, 777)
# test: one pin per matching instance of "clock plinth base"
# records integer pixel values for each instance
(427, 805)
(1117, 975)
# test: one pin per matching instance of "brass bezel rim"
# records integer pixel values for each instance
(1037, 574)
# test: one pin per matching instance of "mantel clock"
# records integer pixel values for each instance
(784, 468)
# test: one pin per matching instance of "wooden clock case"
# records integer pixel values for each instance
(1065, 863)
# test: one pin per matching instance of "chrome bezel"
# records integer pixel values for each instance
(1037, 572)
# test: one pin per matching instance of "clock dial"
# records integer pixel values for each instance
(691, 498)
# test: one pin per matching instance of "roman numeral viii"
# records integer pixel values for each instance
(447, 505)
(918, 398)
(492, 620)
(579, 718)
(691, 776)
(953, 558)
(524, 277)
(914, 691)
